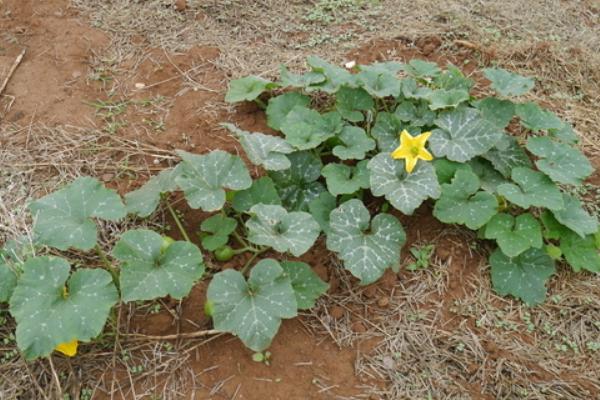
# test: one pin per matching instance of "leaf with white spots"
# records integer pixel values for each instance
(306, 283)
(378, 82)
(336, 77)
(273, 226)
(321, 207)
(531, 189)
(248, 88)
(280, 106)
(462, 202)
(507, 83)
(262, 191)
(422, 69)
(575, 217)
(253, 309)
(514, 235)
(442, 98)
(524, 276)
(417, 114)
(8, 279)
(463, 134)
(346, 179)
(367, 247)
(351, 102)
(386, 131)
(498, 111)
(203, 178)
(298, 186)
(50, 308)
(305, 128)
(505, 159)
(144, 200)
(355, 144)
(535, 118)
(306, 80)
(64, 219)
(266, 150)
(580, 253)
(216, 230)
(151, 271)
(406, 192)
(12, 256)
(561, 162)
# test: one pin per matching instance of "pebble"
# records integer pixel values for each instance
(140, 85)
(383, 301)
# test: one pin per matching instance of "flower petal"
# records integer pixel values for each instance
(425, 155)
(69, 349)
(401, 152)
(411, 162)
(421, 139)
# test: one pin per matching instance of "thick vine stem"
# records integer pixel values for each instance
(260, 103)
(177, 222)
(106, 262)
(251, 259)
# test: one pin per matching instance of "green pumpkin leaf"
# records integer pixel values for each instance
(279, 107)
(355, 144)
(46, 317)
(307, 285)
(8, 279)
(553, 229)
(262, 191)
(421, 69)
(580, 253)
(446, 169)
(266, 150)
(508, 158)
(345, 179)
(532, 189)
(453, 78)
(562, 163)
(411, 90)
(514, 235)
(523, 277)
(273, 226)
(336, 77)
(442, 98)
(350, 102)
(378, 82)
(565, 133)
(203, 178)
(290, 79)
(574, 217)
(463, 134)
(417, 114)
(220, 228)
(149, 271)
(320, 208)
(305, 128)
(12, 257)
(298, 185)
(63, 219)
(248, 89)
(461, 202)
(366, 247)
(386, 131)
(499, 112)
(489, 178)
(535, 118)
(252, 310)
(406, 192)
(508, 84)
(144, 201)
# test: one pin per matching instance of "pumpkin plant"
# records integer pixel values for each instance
(349, 151)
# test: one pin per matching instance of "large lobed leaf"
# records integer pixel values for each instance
(345, 179)
(531, 189)
(248, 88)
(305, 128)
(144, 200)
(514, 235)
(507, 83)
(262, 191)
(307, 285)
(355, 144)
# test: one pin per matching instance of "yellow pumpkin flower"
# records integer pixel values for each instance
(69, 349)
(411, 149)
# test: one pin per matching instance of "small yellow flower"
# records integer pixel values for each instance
(412, 148)
(69, 349)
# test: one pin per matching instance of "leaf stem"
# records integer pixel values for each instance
(240, 239)
(177, 221)
(109, 266)
(260, 103)
(251, 259)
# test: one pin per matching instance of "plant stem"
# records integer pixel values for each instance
(260, 103)
(177, 222)
(251, 259)
(239, 239)
(109, 266)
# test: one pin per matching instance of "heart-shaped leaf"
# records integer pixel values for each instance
(217, 230)
(248, 88)
(298, 185)
(12, 257)
(565, 133)
(320, 208)
(386, 131)
(417, 114)
(411, 90)
(203, 178)
(351, 102)
(8, 281)
(273, 226)
(446, 169)
(453, 78)
(144, 200)
(514, 235)
(421, 69)
(307, 285)
(507, 158)
(306, 129)
(262, 191)
(50, 310)
(532, 189)
(575, 217)
(524, 276)
(63, 219)
(355, 144)
(462, 202)
(378, 82)
(406, 192)
(252, 310)
(345, 179)
(499, 112)
(580, 253)
(463, 134)
(336, 77)
(366, 247)
(266, 150)
(535, 118)
(290, 79)
(279, 107)
(442, 98)
(150, 271)
(508, 84)
(489, 178)
(562, 163)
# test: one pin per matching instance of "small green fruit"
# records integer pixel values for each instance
(258, 357)
(224, 253)
(553, 251)
(166, 242)
(209, 308)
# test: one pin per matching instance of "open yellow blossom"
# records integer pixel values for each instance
(69, 349)
(411, 149)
